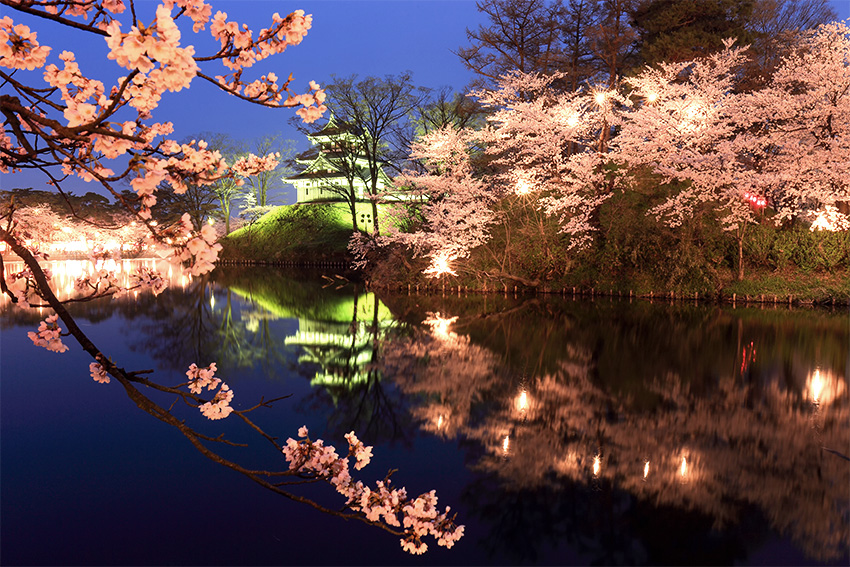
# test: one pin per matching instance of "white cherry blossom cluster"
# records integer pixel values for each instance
(147, 277)
(23, 286)
(49, 335)
(83, 97)
(312, 104)
(197, 10)
(141, 48)
(251, 164)
(200, 378)
(19, 48)
(98, 373)
(201, 251)
(418, 517)
(219, 407)
(100, 282)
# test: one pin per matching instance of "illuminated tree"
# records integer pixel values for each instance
(782, 147)
(685, 128)
(546, 154)
(75, 125)
(802, 141)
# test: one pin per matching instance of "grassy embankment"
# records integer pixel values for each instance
(632, 254)
(313, 234)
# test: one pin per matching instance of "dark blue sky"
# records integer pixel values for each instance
(366, 37)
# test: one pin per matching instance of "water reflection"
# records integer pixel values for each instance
(823, 387)
(723, 438)
(584, 423)
(65, 272)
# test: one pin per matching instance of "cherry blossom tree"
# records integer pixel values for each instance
(546, 155)
(782, 147)
(458, 209)
(803, 135)
(60, 121)
(685, 128)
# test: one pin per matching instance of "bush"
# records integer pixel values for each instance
(783, 249)
(758, 244)
(832, 249)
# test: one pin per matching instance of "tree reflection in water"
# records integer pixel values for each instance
(750, 437)
(578, 409)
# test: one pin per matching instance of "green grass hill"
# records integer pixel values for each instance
(303, 233)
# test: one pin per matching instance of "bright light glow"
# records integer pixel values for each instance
(440, 422)
(694, 115)
(821, 223)
(440, 325)
(572, 120)
(755, 200)
(597, 465)
(823, 387)
(651, 97)
(599, 98)
(506, 443)
(440, 265)
(211, 222)
(523, 187)
(830, 218)
(522, 401)
(646, 469)
(683, 469)
(816, 385)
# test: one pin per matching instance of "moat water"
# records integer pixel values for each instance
(561, 431)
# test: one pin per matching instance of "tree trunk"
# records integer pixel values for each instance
(741, 253)
(375, 216)
(352, 205)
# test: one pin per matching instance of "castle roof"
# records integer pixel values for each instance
(334, 128)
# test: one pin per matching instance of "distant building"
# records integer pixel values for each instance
(335, 148)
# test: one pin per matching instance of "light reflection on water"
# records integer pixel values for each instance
(558, 396)
(66, 272)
